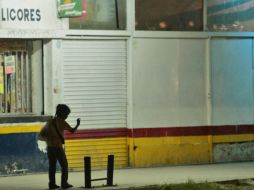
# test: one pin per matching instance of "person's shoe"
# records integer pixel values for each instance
(54, 186)
(66, 186)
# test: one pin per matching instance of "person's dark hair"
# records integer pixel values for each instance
(62, 109)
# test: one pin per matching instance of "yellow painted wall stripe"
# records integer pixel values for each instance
(178, 149)
(98, 150)
(170, 150)
(232, 138)
(9, 129)
(139, 151)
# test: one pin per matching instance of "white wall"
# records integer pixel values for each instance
(192, 81)
(169, 86)
(171, 81)
(232, 81)
(52, 75)
(37, 85)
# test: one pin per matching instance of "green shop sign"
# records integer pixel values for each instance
(69, 8)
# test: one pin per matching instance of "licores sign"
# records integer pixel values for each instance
(27, 14)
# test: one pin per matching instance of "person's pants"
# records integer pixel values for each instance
(57, 154)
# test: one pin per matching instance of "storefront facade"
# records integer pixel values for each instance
(148, 90)
(42, 65)
(25, 29)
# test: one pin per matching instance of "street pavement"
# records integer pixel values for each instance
(136, 177)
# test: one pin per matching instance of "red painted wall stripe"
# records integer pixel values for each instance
(162, 132)
(97, 133)
(192, 131)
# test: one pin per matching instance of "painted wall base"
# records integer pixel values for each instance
(228, 152)
(21, 151)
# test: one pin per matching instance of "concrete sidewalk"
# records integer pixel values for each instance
(124, 178)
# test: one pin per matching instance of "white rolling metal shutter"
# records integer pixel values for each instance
(95, 82)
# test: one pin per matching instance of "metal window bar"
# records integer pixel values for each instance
(6, 86)
(19, 86)
(22, 83)
(15, 53)
(16, 98)
(1, 95)
(16, 80)
(5, 89)
(28, 84)
(13, 88)
(2, 105)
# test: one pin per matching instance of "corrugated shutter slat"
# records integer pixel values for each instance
(95, 80)
(95, 88)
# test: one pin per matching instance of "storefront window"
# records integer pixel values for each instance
(15, 76)
(101, 15)
(230, 15)
(169, 15)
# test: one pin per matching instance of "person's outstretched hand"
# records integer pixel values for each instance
(78, 121)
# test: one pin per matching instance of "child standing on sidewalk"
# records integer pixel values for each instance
(55, 141)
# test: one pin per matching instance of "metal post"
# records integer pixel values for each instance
(87, 169)
(205, 28)
(117, 17)
(110, 170)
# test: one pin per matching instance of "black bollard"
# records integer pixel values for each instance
(87, 168)
(110, 170)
